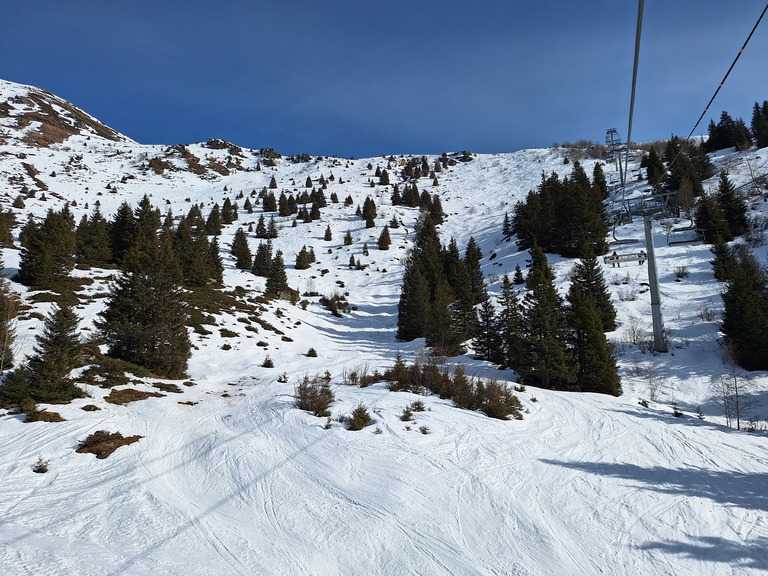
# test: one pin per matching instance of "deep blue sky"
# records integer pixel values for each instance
(357, 78)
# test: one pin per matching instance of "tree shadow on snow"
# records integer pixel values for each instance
(744, 490)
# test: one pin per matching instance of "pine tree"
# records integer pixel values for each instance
(510, 325)
(48, 254)
(348, 238)
(144, 320)
(303, 259)
(92, 241)
(518, 278)
(277, 281)
(587, 279)
(56, 353)
(272, 228)
(487, 343)
(269, 204)
(724, 261)
(745, 318)
(597, 371)
(215, 266)
(122, 232)
(733, 206)
(261, 228)
(213, 223)
(472, 257)
(710, 219)
(443, 333)
(413, 309)
(241, 251)
(262, 261)
(759, 124)
(384, 239)
(273, 183)
(9, 310)
(545, 357)
(328, 234)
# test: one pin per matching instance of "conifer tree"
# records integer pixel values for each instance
(545, 357)
(710, 219)
(759, 124)
(587, 279)
(328, 234)
(144, 320)
(213, 223)
(472, 257)
(724, 261)
(277, 281)
(215, 266)
(262, 261)
(733, 206)
(57, 352)
(272, 228)
(384, 239)
(261, 228)
(487, 343)
(745, 318)
(9, 310)
(269, 203)
(122, 232)
(413, 309)
(273, 183)
(348, 238)
(92, 241)
(241, 251)
(303, 259)
(510, 325)
(48, 254)
(443, 333)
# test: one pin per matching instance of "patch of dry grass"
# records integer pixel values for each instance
(103, 443)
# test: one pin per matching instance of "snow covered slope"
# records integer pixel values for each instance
(230, 477)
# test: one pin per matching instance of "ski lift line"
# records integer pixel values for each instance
(640, 6)
(722, 82)
(729, 71)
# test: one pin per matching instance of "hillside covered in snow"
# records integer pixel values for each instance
(229, 476)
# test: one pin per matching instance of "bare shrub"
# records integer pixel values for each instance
(681, 272)
(627, 295)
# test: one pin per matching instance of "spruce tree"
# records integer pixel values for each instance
(587, 278)
(596, 364)
(545, 357)
(487, 343)
(384, 239)
(48, 254)
(92, 242)
(122, 232)
(328, 234)
(262, 261)
(261, 228)
(443, 333)
(144, 320)
(241, 251)
(745, 318)
(510, 325)
(472, 257)
(9, 310)
(213, 223)
(413, 309)
(733, 206)
(710, 219)
(277, 281)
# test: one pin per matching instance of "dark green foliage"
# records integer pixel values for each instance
(272, 183)
(262, 261)
(304, 259)
(269, 203)
(545, 358)
(733, 206)
(487, 343)
(369, 212)
(359, 419)
(596, 365)
(213, 223)
(261, 228)
(472, 257)
(272, 228)
(93, 246)
(314, 395)
(384, 240)
(724, 261)
(144, 320)
(122, 232)
(655, 170)
(759, 124)
(277, 281)
(348, 238)
(587, 279)
(48, 254)
(228, 211)
(509, 324)
(241, 251)
(562, 215)
(710, 219)
(9, 310)
(599, 183)
(57, 352)
(7, 223)
(506, 227)
(518, 278)
(413, 307)
(745, 319)
(328, 234)
(727, 133)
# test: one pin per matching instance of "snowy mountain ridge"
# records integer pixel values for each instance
(230, 477)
